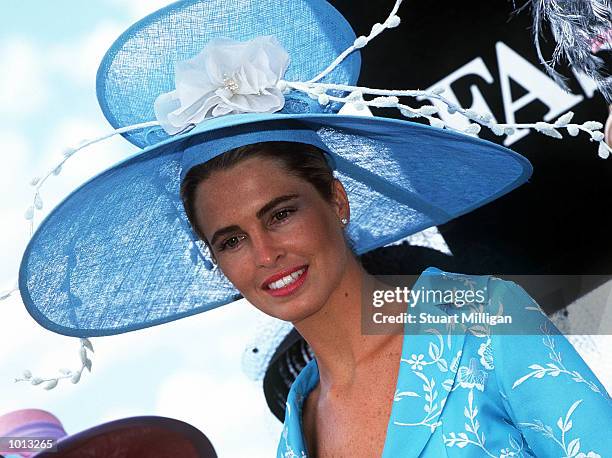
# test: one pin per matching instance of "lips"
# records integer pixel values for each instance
(285, 282)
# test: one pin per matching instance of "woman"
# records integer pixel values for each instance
(120, 254)
(286, 251)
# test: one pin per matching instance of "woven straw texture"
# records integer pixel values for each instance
(118, 254)
(140, 64)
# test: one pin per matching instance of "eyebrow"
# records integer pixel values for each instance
(260, 213)
(273, 203)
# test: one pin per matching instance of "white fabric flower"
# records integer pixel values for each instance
(416, 362)
(226, 77)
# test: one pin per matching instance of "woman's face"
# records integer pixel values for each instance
(274, 237)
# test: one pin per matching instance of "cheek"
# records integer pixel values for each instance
(328, 250)
(315, 236)
(328, 234)
(317, 242)
(238, 271)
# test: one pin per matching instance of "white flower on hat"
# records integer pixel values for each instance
(226, 77)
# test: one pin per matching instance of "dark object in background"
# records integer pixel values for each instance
(557, 223)
(288, 360)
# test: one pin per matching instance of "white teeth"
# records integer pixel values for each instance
(286, 280)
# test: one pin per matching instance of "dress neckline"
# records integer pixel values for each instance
(308, 378)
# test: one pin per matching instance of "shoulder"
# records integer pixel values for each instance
(481, 301)
(489, 284)
(446, 282)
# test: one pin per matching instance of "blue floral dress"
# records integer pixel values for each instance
(480, 393)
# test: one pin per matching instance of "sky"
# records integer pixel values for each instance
(189, 369)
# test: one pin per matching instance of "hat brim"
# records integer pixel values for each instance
(118, 253)
(135, 437)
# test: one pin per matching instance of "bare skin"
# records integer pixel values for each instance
(348, 411)
(608, 127)
(352, 419)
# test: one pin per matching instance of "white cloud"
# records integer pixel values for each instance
(222, 411)
(23, 85)
(84, 164)
(14, 235)
(117, 413)
(26, 345)
(140, 8)
(16, 155)
(79, 61)
(15, 192)
(207, 347)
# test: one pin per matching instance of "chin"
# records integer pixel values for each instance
(290, 310)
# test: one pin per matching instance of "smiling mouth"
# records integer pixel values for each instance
(287, 280)
(288, 283)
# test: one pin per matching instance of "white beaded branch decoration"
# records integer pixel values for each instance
(8, 293)
(75, 376)
(383, 98)
(386, 98)
(392, 21)
(38, 182)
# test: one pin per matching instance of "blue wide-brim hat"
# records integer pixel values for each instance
(118, 254)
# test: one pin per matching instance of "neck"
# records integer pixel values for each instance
(334, 332)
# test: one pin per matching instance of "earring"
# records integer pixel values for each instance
(344, 221)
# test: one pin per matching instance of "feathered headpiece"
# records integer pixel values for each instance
(581, 28)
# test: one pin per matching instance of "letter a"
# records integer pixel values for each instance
(538, 85)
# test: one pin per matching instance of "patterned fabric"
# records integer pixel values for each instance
(483, 394)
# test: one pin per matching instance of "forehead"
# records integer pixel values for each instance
(242, 189)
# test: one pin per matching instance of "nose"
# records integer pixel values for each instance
(267, 251)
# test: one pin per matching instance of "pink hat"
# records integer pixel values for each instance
(128, 437)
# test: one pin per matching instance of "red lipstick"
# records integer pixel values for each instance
(287, 289)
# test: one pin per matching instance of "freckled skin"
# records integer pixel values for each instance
(311, 235)
(325, 308)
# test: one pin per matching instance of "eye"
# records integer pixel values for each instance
(282, 215)
(231, 242)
